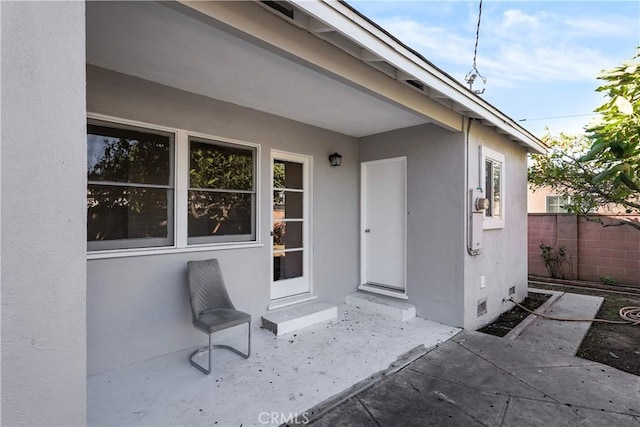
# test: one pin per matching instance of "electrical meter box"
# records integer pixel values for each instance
(477, 205)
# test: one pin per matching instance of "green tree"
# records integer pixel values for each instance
(615, 140)
(601, 167)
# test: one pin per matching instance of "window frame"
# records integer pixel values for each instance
(561, 201)
(180, 175)
(207, 240)
(139, 243)
(488, 154)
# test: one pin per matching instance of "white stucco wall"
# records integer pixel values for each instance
(435, 232)
(503, 260)
(138, 306)
(443, 280)
(43, 204)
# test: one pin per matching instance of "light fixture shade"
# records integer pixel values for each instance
(335, 159)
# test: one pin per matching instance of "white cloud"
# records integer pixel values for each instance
(434, 42)
(597, 28)
(522, 62)
(514, 46)
(516, 18)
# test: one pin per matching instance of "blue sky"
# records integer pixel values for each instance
(540, 58)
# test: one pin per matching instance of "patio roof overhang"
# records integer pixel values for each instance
(186, 48)
(249, 54)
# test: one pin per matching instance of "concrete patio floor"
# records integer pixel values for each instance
(476, 379)
(285, 375)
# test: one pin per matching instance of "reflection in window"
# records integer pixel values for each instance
(493, 188)
(287, 175)
(287, 265)
(130, 188)
(287, 235)
(221, 197)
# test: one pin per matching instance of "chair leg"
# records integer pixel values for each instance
(228, 347)
(198, 351)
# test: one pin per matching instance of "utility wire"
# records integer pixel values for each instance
(471, 76)
(558, 117)
(475, 50)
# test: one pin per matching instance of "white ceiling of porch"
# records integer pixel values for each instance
(153, 42)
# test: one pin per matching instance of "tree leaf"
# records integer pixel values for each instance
(629, 182)
(595, 150)
(606, 174)
(624, 106)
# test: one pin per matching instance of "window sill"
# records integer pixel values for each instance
(125, 253)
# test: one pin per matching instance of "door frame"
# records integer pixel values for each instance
(363, 221)
(307, 243)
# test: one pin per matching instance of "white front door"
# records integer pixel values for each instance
(290, 237)
(383, 222)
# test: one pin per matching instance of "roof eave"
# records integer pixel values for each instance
(358, 28)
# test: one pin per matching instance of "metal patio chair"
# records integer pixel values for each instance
(211, 307)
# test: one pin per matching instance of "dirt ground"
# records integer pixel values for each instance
(509, 320)
(615, 345)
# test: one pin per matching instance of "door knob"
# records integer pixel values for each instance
(367, 230)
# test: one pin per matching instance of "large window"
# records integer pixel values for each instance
(493, 167)
(222, 196)
(130, 188)
(149, 188)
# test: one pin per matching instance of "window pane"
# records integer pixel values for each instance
(287, 235)
(121, 155)
(287, 204)
(488, 185)
(118, 213)
(497, 193)
(287, 175)
(287, 265)
(220, 167)
(556, 204)
(220, 214)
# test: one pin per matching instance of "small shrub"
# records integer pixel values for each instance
(608, 280)
(554, 260)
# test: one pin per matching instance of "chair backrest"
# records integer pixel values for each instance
(206, 287)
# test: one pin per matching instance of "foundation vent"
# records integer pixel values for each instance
(482, 307)
(512, 290)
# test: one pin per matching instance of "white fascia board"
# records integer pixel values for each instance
(362, 32)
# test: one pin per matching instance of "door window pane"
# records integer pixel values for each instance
(287, 204)
(287, 265)
(287, 175)
(287, 235)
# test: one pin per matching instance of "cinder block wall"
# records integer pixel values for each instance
(593, 251)
(542, 229)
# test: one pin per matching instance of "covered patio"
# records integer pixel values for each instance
(285, 375)
(100, 331)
